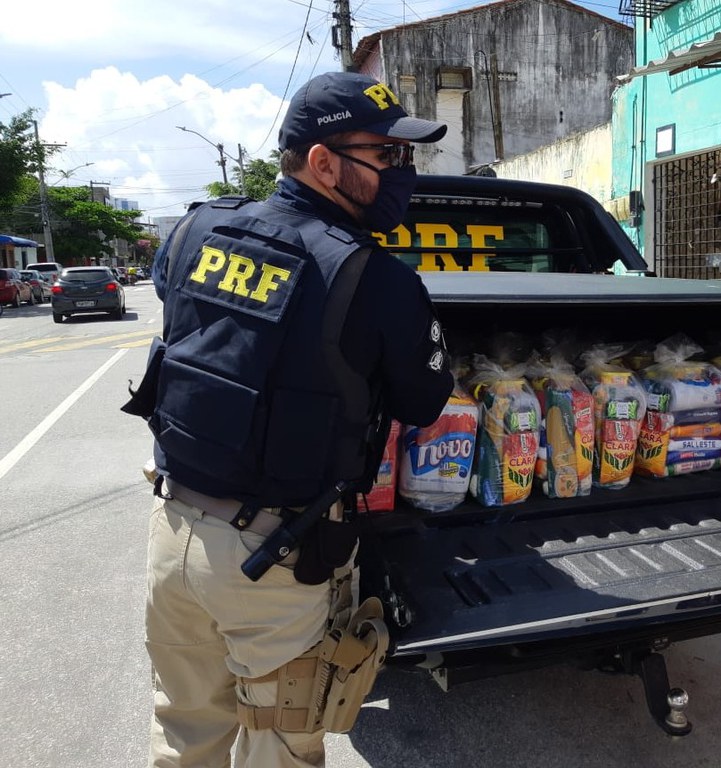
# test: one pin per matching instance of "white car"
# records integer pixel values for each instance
(50, 270)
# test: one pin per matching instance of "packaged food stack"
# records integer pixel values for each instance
(383, 494)
(436, 461)
(508, 432)
(565, 454)
(682, 429)
(619, 407)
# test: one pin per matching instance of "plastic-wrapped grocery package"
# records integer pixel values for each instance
(619, 407)
(681, 432)
(508, 434)
(436, 461)
(565, 454)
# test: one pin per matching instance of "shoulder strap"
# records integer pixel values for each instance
(352, 384)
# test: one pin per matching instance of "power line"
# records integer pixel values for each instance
(290, 77)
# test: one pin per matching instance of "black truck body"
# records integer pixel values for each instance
(608, 579)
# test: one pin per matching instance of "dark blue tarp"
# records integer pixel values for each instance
(10, 239)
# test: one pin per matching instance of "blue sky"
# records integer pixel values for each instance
(112, 80)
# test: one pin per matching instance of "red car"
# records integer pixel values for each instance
(13, 290)
(40, 286)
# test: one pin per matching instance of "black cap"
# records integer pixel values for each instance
(337, 102)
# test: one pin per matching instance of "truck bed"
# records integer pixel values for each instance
(477, 577)
(613, 561)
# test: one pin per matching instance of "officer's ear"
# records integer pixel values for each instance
(323, 165)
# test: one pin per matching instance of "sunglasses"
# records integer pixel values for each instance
(395, 155)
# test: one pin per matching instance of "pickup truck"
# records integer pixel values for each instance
(608, 580)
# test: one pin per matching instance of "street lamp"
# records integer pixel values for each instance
(5, 94)
(68, 174)
(218, 146)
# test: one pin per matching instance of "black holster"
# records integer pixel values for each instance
(328, 545)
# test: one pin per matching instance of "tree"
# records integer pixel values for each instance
(259, 179)
(20, 156)
(83, 229)
(260, 176)
(145, 247)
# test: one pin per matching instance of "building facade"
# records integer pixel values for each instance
(507, 77)
(165, 225)
(17, 252)
(667, 137)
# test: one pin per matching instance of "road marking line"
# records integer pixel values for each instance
(94, 341)
(132, 344)
(30, 344)
(12, 458)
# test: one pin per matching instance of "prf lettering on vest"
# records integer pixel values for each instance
(381, 95)
(239, 274)
(445, 235)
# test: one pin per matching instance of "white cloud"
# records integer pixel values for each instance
(126, 128)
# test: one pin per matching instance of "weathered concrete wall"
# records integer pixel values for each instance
(556, 67)
(582, 160)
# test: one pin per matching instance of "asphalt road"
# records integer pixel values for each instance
(74, 678)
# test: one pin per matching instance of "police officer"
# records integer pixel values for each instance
(290, 339)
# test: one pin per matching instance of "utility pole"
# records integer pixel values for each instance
(218, 146)
(222, 163)
(341, 34)
(241, 170)
(44, 208)
(498, 127)
(494, 103)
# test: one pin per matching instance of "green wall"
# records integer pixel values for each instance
(690, 99)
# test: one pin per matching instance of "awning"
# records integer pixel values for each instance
(704, 54)
(20, 241)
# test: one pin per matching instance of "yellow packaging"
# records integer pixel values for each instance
(651, 452)
(616, 452)
(519, 459)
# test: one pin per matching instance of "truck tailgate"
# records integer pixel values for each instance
(636, 554)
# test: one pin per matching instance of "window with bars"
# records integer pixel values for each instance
(687, 216)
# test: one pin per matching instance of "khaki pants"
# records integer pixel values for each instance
(207, 624)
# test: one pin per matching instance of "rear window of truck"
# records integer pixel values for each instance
(473, 234)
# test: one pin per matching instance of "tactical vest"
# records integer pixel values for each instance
(254, 398)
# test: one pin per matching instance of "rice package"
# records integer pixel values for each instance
(383, 493)
(508, 436)
(681, 432)
(565, 455)
(619, 408)
(435, 462)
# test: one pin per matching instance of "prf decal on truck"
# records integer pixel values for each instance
(435, 235)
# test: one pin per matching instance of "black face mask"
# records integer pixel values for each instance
(395, 187)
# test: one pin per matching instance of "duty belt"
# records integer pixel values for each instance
(242, 516)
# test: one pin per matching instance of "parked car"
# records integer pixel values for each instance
(12, 288)
(38, 283)
(50, 269)
(80, 290)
